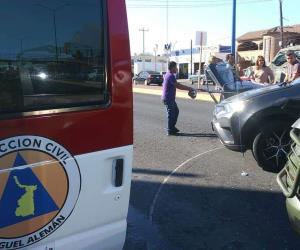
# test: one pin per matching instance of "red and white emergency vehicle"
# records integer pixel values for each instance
(66, 127)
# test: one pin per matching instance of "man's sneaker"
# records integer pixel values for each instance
(176, 130)
(172, 133)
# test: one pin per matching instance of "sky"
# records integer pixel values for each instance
(185, 17)
(72, 24)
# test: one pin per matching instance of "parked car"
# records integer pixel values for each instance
(247, 74)
(148, 77)
(279, 63)
(193, 78)
(96, 74)
(289, 179)
(163, 73)
(260, 120)
(203, 78)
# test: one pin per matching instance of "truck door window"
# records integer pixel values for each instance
(52, 54)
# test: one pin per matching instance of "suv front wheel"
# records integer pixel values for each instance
(271, 145)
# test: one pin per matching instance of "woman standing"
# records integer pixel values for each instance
(262, 73)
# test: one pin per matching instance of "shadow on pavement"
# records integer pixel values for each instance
(164, 173)
(202, 217)
(210, 135)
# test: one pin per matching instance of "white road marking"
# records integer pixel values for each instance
(152, 207)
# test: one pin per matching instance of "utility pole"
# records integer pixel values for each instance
(21, 48)
(168, 49)
(233, 28)
(53, 10)
(200, 59)
(155, 51)
(167, 31)
(143, 57)
(281, 23)
(191, 56)
(167, 45)
(144, 30)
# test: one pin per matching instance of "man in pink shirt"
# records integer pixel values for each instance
(293, 67)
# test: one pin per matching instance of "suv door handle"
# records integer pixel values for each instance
(118, 172)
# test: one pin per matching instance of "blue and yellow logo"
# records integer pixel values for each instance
(39, 187)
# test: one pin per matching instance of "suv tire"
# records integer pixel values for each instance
(271, 146)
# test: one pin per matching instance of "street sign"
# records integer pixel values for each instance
(224, 49)
(201, 38)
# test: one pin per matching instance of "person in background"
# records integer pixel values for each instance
(169, 97)
(262, 73)
(293, 67)
(214, 60)
(224, 69)
(226, 76)
(230, 61)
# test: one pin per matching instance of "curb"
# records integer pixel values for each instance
(201, 96)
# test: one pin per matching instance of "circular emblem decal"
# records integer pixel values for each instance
(39, 187)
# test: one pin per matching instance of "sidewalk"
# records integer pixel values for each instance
(156, 90)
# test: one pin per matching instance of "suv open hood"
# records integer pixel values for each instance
(256, 92)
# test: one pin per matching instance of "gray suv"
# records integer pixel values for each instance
(278, 64)
(260, 120)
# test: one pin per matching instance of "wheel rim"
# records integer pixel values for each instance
(276, 147)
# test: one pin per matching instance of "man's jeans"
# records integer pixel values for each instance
(172, 114)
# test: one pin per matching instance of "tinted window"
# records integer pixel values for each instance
(279, 59)
(143, 74)
(51, 54)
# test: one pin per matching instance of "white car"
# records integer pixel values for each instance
(279, 63)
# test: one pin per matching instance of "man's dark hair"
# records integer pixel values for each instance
(290, 53)
(228, 56)
(172, 65)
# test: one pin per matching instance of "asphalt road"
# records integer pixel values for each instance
(188, 192)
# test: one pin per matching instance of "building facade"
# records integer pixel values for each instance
(266, 42)
(188, 59)
(148, 62)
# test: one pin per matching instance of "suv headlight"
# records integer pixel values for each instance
(237, 106)
(229, 108)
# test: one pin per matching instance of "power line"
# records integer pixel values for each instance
(198, 1)
(186, 4)
(187, 1)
